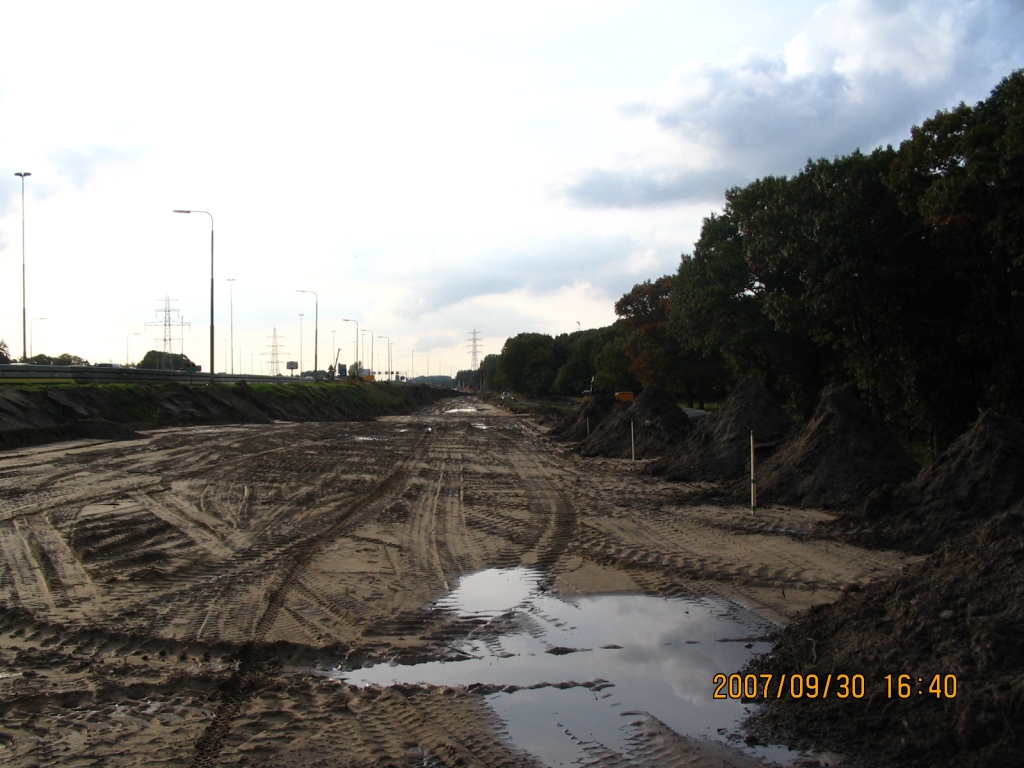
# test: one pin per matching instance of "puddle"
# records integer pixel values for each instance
(637, 654)
(462, 410)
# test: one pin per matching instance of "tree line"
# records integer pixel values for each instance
(901, 270)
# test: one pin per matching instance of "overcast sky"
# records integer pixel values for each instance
(427, 168)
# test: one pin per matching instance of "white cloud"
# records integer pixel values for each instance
(857, 75)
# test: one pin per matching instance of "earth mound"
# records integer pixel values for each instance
(114, 411)
(837, 459)
(658, 425)
(980, 475)
(578, 426)
(960, 612)
(718, 448)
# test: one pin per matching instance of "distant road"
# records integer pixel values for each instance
(99, 374)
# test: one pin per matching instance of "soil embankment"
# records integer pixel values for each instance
(718, 448)
(939, 646)
(837, 459)
(649, 426)
(33, 416)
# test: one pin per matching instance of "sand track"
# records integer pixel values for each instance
(166, 599)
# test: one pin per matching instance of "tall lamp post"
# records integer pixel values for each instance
(231, 289)
(367, 330)
(127, 354)
(211, 284)
(24, 347)
(316, 330)
(31, 335)
(357, 341)
(389, 354)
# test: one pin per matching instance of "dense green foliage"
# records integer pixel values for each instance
(900, 270)
(64, 359)
(166, 361)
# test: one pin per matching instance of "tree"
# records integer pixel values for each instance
(960, 177)
(529, 363)
(166, 361)
(656, 355)
(488, 371)
(612, 364)
(576, 373)
(5, 353)
(62, 359)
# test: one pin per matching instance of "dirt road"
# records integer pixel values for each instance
(169, 600)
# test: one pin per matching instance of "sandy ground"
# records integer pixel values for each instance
(169, 599)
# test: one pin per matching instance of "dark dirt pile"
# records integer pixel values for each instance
(658, 425)
(33, 416)
(959, 612)
(719, 447)
(837, 459)
(980, 475)
(578, 426)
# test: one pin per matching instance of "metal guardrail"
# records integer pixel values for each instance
(94, 374)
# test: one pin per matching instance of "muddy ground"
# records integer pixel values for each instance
(172, 599)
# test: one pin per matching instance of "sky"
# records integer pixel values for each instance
(428, 169)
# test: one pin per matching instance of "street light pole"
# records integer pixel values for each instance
(389, 355)
(367, 330)
(211, 284)
(231, 288)
(127, 354)
(300, 345)
(357, 341)
(24, 349)
(316, 331)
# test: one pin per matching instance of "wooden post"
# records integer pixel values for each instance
(632, 441)
(753, 477)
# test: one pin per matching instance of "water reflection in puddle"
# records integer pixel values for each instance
(640, 654)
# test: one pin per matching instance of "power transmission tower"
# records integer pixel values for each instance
(275, 354)
(474, 348)
(168, 325)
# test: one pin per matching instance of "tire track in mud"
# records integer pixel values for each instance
(546, 500)
(29, 587)
(255, 662)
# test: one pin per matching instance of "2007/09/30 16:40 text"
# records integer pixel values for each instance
(841, 686)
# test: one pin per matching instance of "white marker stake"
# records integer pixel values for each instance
(753, 478)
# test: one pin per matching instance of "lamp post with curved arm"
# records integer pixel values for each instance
(316, 331)
(127, 355)
(231, 287)
(389, 354)
(24, 347)
(367, 330)
(211, 283)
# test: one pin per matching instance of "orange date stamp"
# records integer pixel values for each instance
(751, 687)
